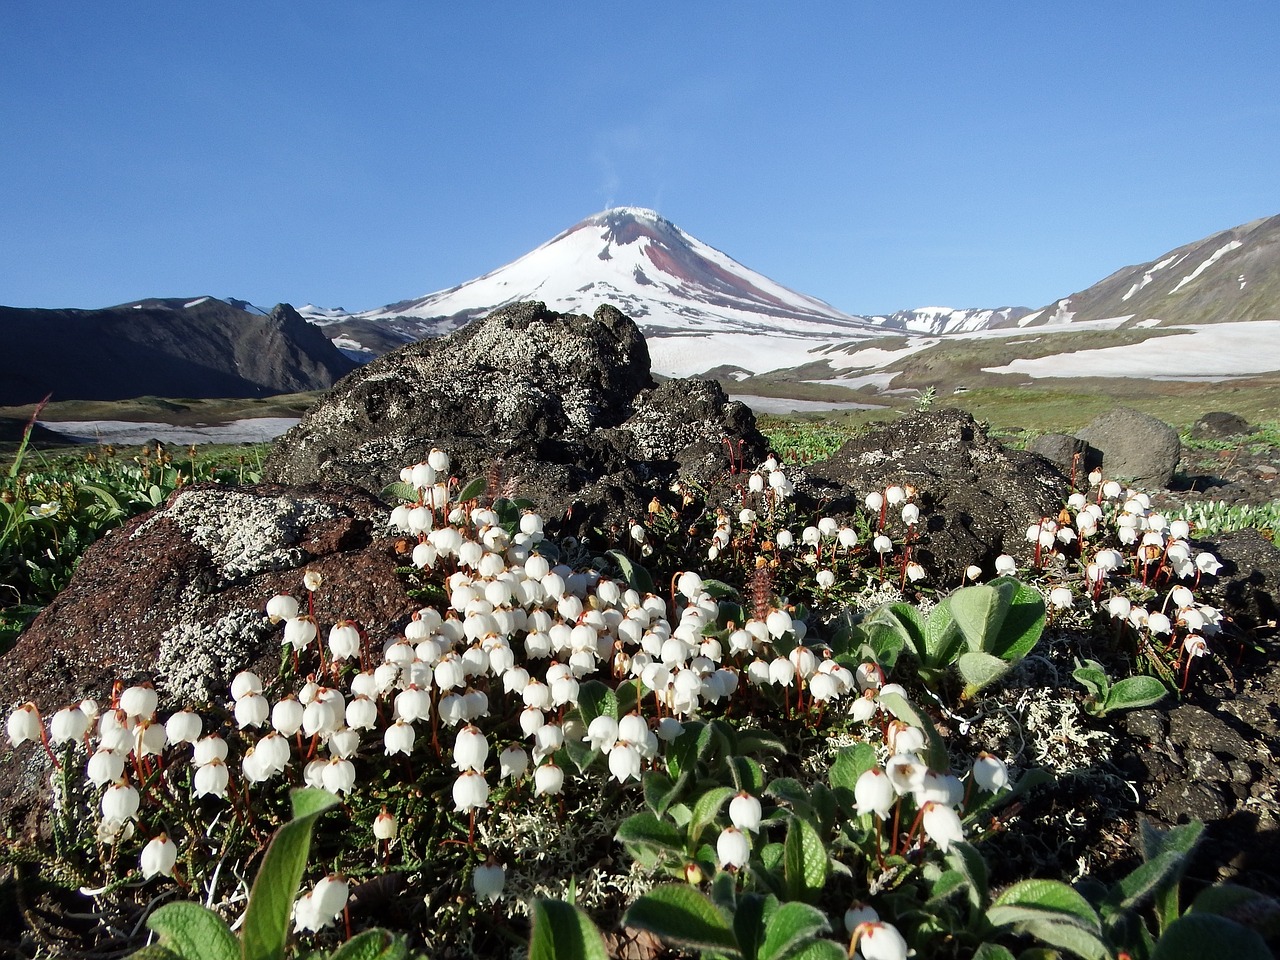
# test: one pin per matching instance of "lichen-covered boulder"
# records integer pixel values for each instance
(177, 597)
(1063, 451)
(976, 497)
(1135, 446)
(558, 407)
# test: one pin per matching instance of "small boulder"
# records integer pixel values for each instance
(1219, 425)
(1061, 450)
(1136, 447)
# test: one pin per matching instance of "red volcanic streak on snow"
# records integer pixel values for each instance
(695, 270)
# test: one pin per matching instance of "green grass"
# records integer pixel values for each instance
(54, 506)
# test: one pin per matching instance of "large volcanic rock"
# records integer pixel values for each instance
(563, 406)
(976, 497)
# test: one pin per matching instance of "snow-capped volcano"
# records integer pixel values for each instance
(667, 281)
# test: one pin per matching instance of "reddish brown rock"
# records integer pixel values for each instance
(177, 596)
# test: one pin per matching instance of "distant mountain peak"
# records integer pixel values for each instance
(634, 258)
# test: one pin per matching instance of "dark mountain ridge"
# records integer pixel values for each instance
(200, 347)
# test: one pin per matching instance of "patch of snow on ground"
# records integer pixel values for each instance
(785, 405)
(196, 303)
(1147, 323)
(129, 433)
(1196, 352)
(1217, 254)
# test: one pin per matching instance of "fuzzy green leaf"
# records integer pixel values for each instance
(851, 763)
(1132, 693)
(679, 913)
(372, 945)
(563, 932)
(749, 921)
(637, 577)
(1199, 935)
(399, 491)
(1093, 678)
(1023, 622)
(595, 699)
(943, 640)
(969, 863)
(888, 628)
(266, 920)
(790, 926)
(718, 589)
(193, 932)
(705, 810)
(818, 950)
(1033, 899)
(992, 951)
(979, 612)
(472, 490)
(747, 774)
(980, 670)
(154, 951)
(805, 861)
(648, 829)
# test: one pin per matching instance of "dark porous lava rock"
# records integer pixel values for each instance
(177, 596)
(1061, 450)
(562, 407)
(976, 497)
(1219, 425)
(1248, 585)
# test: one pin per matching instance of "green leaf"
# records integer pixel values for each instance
(980, 670)
(1023, 623)
(1134, 692)
(399, 491)
(760, 742)
(992, 951)
(749, 923)
(900, 707)
(789, 927)
(595, 699)
(851, 763)
(563, 932)
(649, 829)
(979, 613)
(153, 951)
(1225, 899)
(819, 950)
(969, 863)
(805, 861)
(888, 628)
(943, 640)
(718, 589)
(1067, 936)
(266, 921)
(679, 913)
(194, 932)
(705, 810)
(372, 945)
(1093, 678)
(1195, 936)
(659, 791)
(747, 775)
(1033, 899)
(1148, 879)
(637, 577)
(790, 791)
(472, 490)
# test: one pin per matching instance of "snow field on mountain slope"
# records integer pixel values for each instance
(1214, 351)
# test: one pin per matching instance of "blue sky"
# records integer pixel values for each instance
(877, 155)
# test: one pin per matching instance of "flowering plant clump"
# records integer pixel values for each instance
(537, 679)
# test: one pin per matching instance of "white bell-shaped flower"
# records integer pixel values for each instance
(470, 792)
(158, 856)
(732, 848)
(745, 812)
(488, 881)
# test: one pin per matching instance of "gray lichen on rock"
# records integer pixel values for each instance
(246, 535)
(197, 660)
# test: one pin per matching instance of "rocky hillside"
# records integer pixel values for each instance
(1229, 276)
(202, 347)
